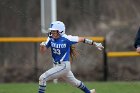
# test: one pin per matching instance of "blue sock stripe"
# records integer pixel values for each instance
(84, 88)
(41, 90)
(42, 86)
(80, 85)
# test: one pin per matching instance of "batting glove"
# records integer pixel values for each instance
(42, 44)
(99, 45)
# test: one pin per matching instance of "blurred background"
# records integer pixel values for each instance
(115, 20)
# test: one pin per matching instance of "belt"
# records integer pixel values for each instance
(57, 63)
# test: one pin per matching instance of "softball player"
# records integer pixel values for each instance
(60, 44)
(137, 41)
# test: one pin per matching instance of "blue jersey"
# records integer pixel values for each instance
(60, 47)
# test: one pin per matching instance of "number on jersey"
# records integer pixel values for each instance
(56, 51)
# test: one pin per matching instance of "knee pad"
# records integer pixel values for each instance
(42, 80)
(76, 83)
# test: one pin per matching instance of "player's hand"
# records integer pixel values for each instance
(138, 50)
(99, 45)
(42, 44)
(42, 47)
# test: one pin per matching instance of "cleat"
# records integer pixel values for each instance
(92, 91)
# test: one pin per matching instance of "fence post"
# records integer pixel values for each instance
(105, 63)
(35, 61)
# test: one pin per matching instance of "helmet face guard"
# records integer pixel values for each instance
(58, 25)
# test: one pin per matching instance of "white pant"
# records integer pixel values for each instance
(63, 71)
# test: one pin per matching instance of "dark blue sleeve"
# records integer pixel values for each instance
(137, 39)
(48, 43)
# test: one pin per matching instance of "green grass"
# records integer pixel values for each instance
(101, 87)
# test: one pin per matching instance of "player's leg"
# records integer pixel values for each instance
(51, 74)
(75, 82)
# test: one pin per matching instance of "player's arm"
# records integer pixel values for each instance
(44, 46)
(91, 42)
